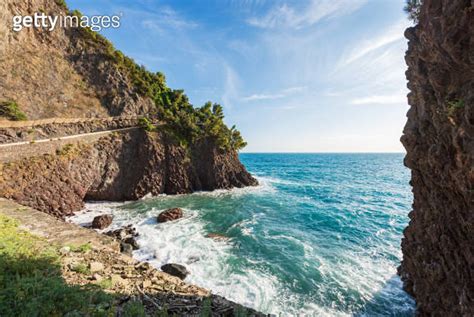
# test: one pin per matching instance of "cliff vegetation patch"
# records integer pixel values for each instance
(11, 111)
(189, 124)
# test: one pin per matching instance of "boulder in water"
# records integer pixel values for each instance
(170, 214)
(102, 221)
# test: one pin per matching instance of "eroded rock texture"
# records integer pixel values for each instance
(121, 166)
(438, 244)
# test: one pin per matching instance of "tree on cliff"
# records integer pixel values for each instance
(188, 124)
(412, 8)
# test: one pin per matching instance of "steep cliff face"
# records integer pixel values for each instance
(74, 72)
(61, 73)
(122, 166)
(438, 244)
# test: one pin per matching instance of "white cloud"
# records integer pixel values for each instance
(230, 86)
(399, 98)
(288, 17)
(262, 97)
(167, 18)
(393, 34)
(295, 89)
(284, 93)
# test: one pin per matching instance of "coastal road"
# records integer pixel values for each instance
(75, 136)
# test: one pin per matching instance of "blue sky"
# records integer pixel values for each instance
(294, 76)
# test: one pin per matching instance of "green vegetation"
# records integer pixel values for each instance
(412, 8)
(11, 111)
(83, 248)
(185, 122)
(454, 105)
(206, 307)
(31, 283)
(146, 124)
(241, 312)
(106, 283)
(61, 3)
(133, 309)
(81, 268)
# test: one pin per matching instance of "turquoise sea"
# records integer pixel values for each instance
(320, 235)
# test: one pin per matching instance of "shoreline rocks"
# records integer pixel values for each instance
(170, 215)
(102, 221)
(126, 235)
(177, 270)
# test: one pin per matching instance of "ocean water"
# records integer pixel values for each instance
(320, 235)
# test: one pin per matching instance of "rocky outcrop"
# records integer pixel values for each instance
(121, 166)
(102, 221)
(174, 269)
(170, 215)
(61, 73)
(438, 244)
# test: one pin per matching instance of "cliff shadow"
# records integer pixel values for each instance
(33, 286)
(389, 297)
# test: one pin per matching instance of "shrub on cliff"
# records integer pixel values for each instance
(187, 123)
(11, 111)
(412, 8)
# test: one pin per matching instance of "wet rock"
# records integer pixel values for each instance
(132, 242)
(126, 236)
(217, 237)
(126, 248)
(102, 221)
(123, 233)
(174, 269)
(170, 215)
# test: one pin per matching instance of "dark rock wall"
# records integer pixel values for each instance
(438, 244)
(122, 166)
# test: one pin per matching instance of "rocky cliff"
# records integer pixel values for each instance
(75, 72)
(438, 244)
(61, 73)
(121, 166)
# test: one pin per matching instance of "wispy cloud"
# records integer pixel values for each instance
(167, 18)
(285, 16)
(230, 86)
(393, 34)
(282, 94)
(262, 97)
(399, 98)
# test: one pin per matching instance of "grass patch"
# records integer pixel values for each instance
(31, 283)
(11, 111)
(134, 309)
(83, 248)
(81, 268)
(105, 283)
